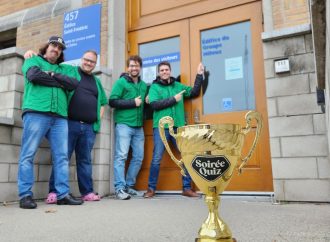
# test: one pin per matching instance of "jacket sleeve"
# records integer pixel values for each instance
(122, 103)
(37, 76)
(68, 83)
(162, 104)
(197, 86)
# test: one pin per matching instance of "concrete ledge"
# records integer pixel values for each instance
(286, 32)
(7, 121)
(102, 70)
(11, 52)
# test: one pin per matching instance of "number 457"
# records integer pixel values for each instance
(71, 16)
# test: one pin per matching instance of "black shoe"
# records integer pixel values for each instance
(69, 200)
(27, 203)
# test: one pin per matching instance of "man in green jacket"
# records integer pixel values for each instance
(166, 99)
(127, 97)
(45, 111)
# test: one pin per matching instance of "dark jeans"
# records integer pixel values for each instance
(81, 140)
(157, 157)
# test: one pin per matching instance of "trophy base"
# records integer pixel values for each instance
(215, 240)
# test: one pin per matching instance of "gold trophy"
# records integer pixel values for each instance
(209, 154)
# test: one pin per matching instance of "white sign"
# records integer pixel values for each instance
(234, 68)
(282, 66)
(149, 74)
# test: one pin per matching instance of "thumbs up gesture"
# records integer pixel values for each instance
(138, 101)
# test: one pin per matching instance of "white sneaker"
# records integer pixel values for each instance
(122, 195)
(134, 192)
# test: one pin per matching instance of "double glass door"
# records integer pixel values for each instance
(228, 42)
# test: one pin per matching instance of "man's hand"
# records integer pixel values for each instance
(29, 54)
(200, 69)
(147, 100)
(138, 101)
(178, 96)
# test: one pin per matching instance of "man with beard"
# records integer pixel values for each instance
(45, 111)
(127, 97)
(83, 125)
(166, 99)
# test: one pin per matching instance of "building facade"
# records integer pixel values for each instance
(275, 69)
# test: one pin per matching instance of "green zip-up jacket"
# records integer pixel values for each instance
(73, 71)
(162, 101)
(43, 98)
(123, 93)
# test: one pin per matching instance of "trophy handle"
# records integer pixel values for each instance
(248, 117)
(161, 126)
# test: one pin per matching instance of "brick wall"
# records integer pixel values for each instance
(34, 34)
(287, 13)
(8, 7)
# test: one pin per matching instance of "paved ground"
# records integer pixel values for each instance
(164, 218)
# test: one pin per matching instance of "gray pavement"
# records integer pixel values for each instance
(164, 218)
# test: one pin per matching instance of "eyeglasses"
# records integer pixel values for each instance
(134, 66)
(90, 61)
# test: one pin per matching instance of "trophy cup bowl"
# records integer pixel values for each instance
(210, 153)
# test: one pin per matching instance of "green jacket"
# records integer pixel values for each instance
(73, 71)
(123, 93)
(164, 92)
(42, 98)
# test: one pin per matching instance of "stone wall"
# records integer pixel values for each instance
(298, 133)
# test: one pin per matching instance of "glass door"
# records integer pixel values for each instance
(229, 44)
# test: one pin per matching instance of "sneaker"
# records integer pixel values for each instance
(122, 195)
(134, 192)
(27, 203)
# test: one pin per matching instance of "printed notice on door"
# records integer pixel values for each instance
(234, 68)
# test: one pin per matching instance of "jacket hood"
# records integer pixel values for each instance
(127, 77)
(164, 82)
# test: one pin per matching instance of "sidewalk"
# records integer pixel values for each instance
(164, 218)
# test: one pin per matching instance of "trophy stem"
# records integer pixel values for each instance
(214, 228)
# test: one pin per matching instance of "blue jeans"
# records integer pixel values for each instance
(81, 140)
(55, 129)
(157, 156)
(127, 137)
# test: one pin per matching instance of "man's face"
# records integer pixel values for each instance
(134, 69)
(88, 62)
(164, 72)
(53, 52)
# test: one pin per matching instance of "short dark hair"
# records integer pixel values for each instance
(43, 49)
(163, 63)
(134, 58)
(91, 51)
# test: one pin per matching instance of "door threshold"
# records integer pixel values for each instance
(227, 193)
(251, 196)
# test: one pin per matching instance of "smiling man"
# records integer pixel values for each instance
(127, 97)
(45, 111)
(166, 99)
(83, 124)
